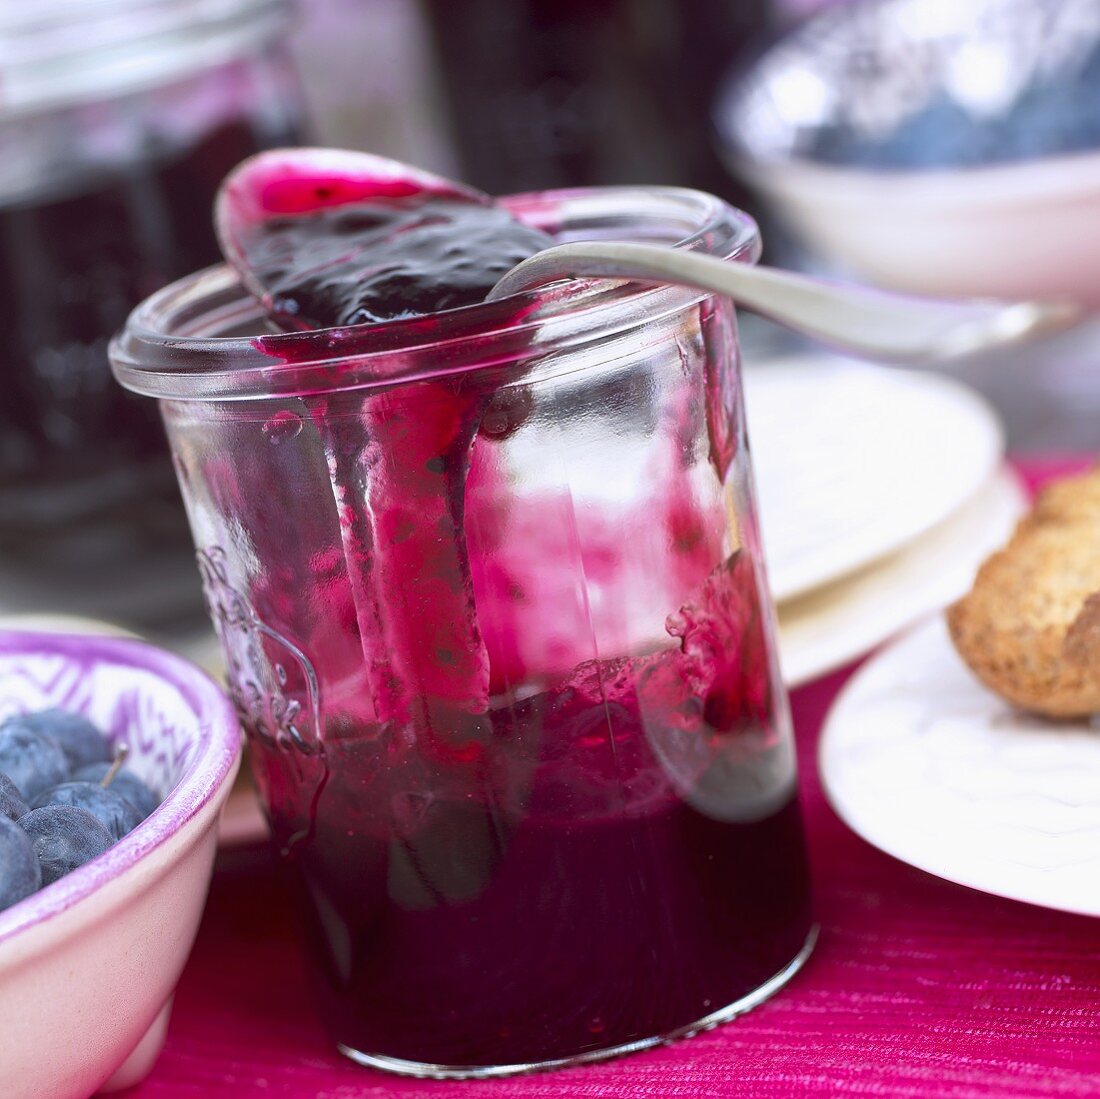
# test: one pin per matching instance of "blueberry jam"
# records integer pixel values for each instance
(367, 262)
(510, 852)
(588, 867)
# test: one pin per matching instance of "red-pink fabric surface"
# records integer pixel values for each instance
(917, 988)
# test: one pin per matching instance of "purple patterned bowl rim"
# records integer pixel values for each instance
(219, 744)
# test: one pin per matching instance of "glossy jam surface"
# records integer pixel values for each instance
(529, 829)
(365, 262)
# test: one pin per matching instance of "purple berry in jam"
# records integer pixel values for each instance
(64, 838)
(507, 411)
(125, 782)
(12, 803)
(78, 738)
(31, 759)
(20, 872)
(105, 803)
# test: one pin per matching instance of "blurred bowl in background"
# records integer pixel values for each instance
(934, 146)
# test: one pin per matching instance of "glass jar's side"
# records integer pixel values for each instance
(501, 643)
(101, 203)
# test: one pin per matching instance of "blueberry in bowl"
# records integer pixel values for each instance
(110, 809)
(29, 759)
(20, 868)
(77, 737)
(100, 899)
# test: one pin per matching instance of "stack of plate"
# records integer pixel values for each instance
(880, 491)
(919, 759)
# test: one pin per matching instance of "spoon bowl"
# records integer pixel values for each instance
(282, 183)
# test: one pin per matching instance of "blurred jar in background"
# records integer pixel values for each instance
(369, 77)
(118, 119)
(790, 11)
(561, 93)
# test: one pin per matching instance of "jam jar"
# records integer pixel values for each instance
(119, 120)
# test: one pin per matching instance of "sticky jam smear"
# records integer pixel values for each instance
(380, 244)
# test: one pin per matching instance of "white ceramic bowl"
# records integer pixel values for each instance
(1022, 228)
(1025, 231)
(88, 965)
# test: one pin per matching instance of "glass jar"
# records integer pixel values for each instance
(566, 93)
(490, 593)
(118, 122)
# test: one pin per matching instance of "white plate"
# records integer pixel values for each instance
(852, 461)
(924, 763)
(833, 625)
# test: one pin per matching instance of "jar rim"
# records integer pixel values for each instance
(56, 53)
(168, 348)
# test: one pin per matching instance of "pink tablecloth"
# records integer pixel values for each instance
(917, 987)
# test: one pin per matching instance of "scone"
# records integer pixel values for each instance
(1030, 626)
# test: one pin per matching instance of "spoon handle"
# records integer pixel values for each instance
(858, 320)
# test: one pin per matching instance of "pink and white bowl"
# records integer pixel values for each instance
(89, 965)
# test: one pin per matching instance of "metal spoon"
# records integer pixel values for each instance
(860, 321)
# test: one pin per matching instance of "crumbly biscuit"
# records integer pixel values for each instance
(1030, 626)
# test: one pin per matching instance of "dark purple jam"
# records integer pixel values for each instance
(605, 862)
(86, 485)
(362, 263)
(560, 898)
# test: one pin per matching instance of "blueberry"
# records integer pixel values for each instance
(64, 838)
(12, 804)
(106, 804)
(32, 760)
(125, 782)
(80, 740)
(20, 872)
